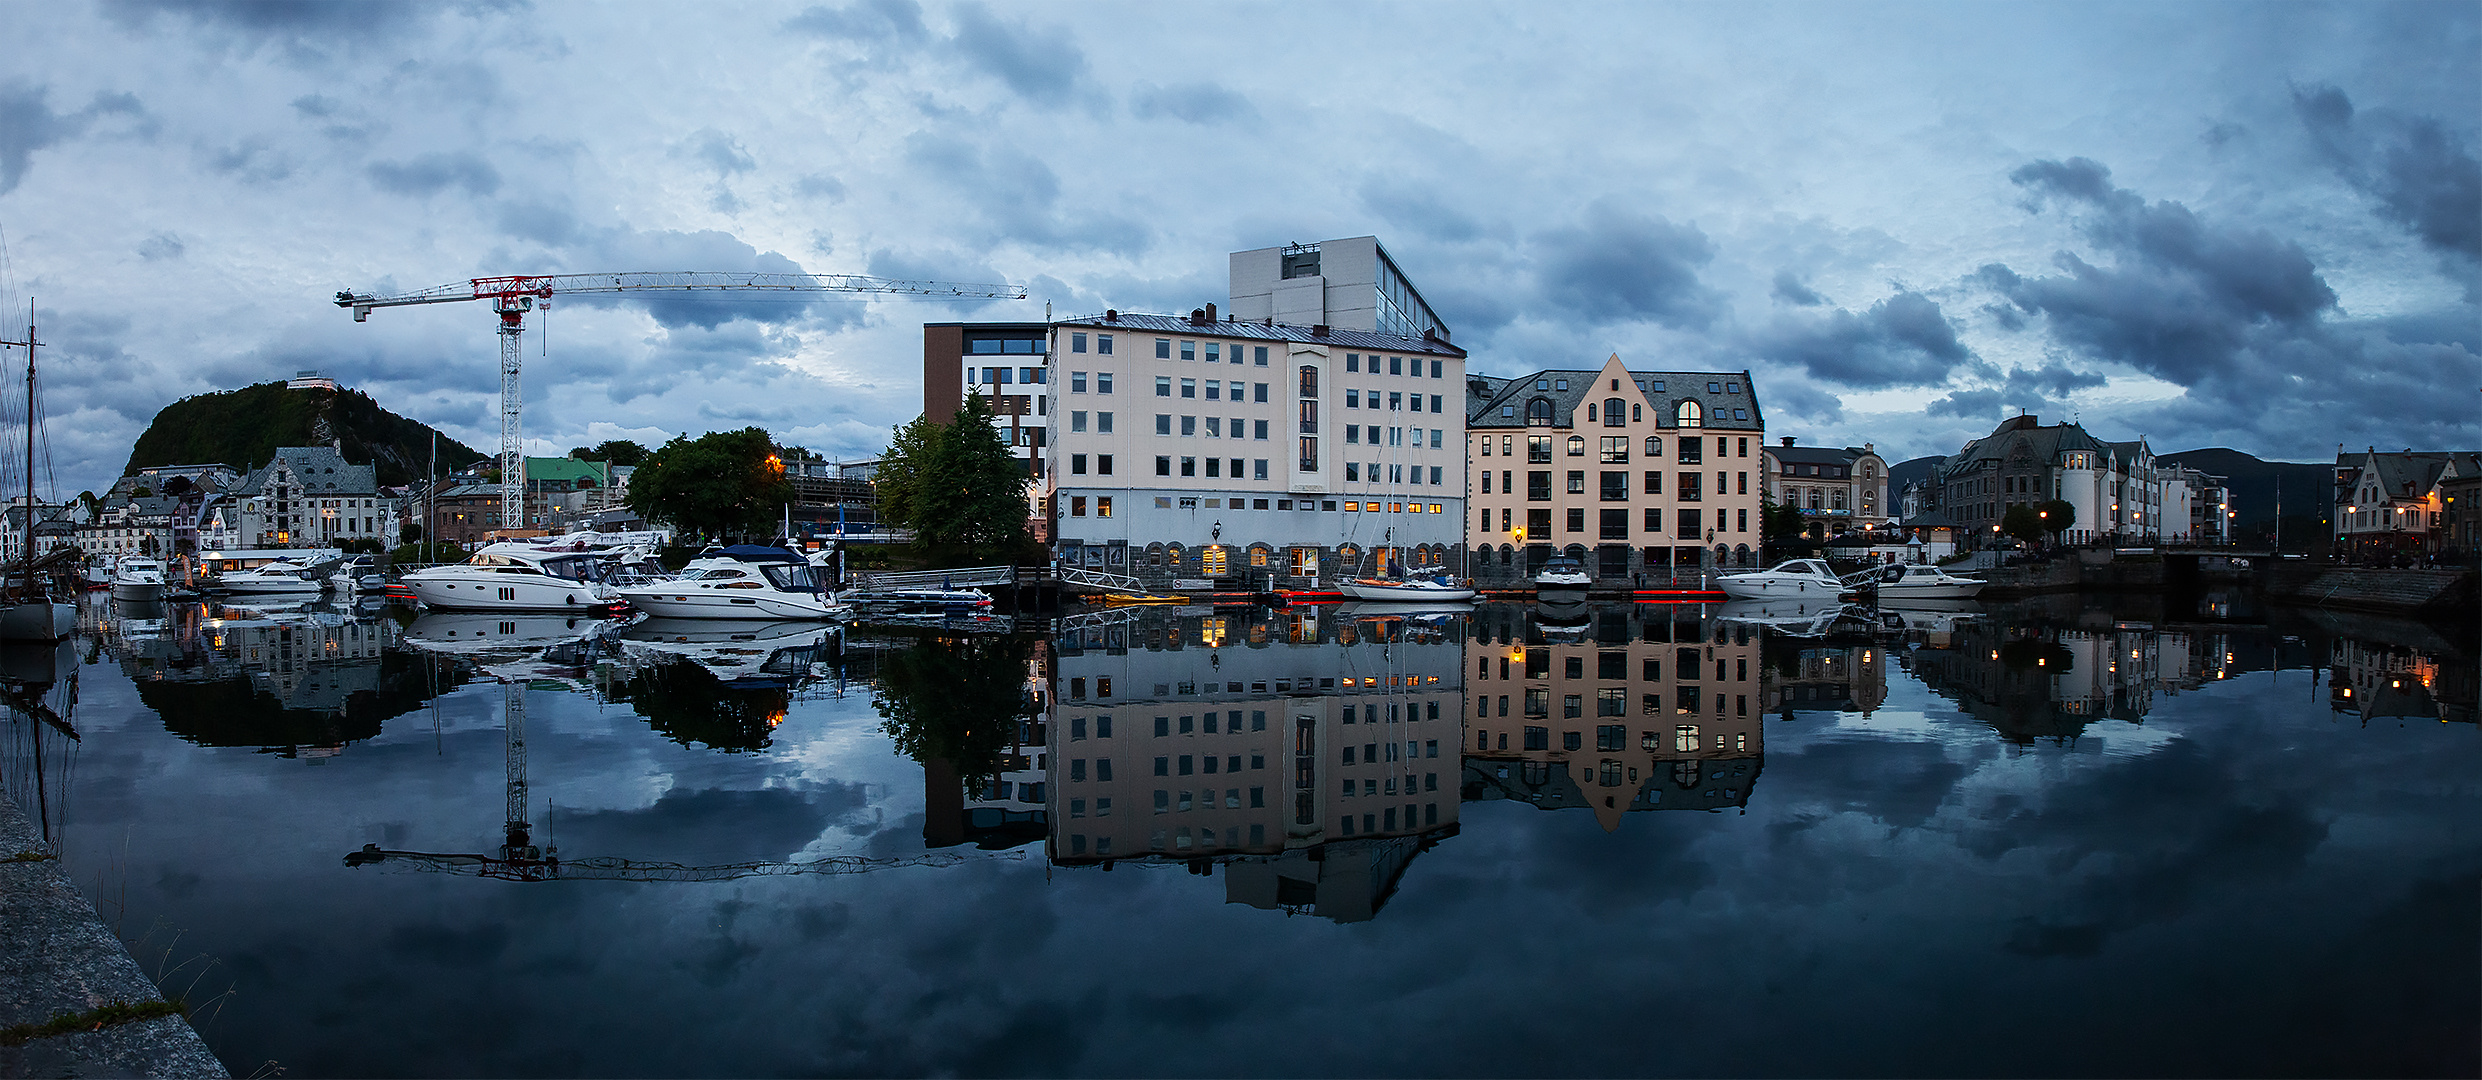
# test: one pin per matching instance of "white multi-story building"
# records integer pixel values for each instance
(1206, 448)
(1348, 284)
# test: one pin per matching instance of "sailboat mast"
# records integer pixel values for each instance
(28, 550)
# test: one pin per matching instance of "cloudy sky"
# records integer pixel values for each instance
(2246, 225)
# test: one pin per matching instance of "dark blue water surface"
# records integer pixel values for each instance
(2049, 840)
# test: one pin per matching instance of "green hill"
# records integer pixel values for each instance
(2308, 490)
(243, 428)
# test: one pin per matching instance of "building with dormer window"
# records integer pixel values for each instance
(1837, 489)
(304, 497)
(1634, 473)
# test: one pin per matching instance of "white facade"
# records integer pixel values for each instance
(1257, 443)
(1348, 284)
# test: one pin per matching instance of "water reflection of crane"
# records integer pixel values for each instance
(517, 650)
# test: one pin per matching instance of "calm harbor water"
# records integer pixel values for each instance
(2044, 840)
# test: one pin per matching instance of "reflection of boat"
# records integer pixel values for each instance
(1933, 616)
(1792, 578)
(140, 618)
(1564, 573)
(473, 633)
(1811, 617)
(513, 577)
(1563, 612)
(358, 574)
(1913, 581)
(275, 578)
(920, 602)
(137, 578)
(742, 582)
(735, 651)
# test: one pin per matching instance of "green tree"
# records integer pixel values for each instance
(2023, 522)
(620, 452)
(2057, 516)
(720, 484)
(957, 487)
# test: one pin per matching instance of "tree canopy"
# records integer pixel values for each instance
(957, 487)
(720, 484)
(2057, 516)
(621, 452)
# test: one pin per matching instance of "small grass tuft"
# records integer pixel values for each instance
(112, 1014)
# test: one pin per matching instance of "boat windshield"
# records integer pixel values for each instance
(791, 577)
(576, 568)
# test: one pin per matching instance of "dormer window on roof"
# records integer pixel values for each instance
(1559, 384)
(1690, 415)
(1714, 388)
(1542, 384)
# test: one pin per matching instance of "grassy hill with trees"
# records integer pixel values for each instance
(2308, 488)
(243, 428)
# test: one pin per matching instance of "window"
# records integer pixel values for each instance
(1077, 379)
(1163, 423)
(1538, 412)
(1688, 524)
(1538, 485)
(1258, 391)
(1693, 451)
(1189, 351)
(1309, 381)
(1258, 356)
(1103, 423)
(1163, 386)
(1615, 449)
(1577, 481)
(1163, 348)
(1189, 388)
(1615, 486)
(1612, 413)
(1189, 466)
(1077, 420)
(1538, 449)
(1654, 482)
(1309, 418)
(1103, 379)
(1577, 519)
(1215, 352)
(1103, 508)
(1077, 464)
(1258, 430)
(1309, 454)
(1615, 525)
(1103, 345)
(1689, 487)
(1163, 465)
(1690, 415)
(1189, 425)
(1103, 462)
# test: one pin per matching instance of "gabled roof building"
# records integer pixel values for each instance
(1637, 474)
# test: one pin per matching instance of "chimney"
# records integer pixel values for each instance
(1197, 316)
(1319, 330)
(1210, 311)
(1789, 441)
(1111, 315)
(1429, 334)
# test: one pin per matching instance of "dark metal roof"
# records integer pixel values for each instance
(1260, 331)
(1817, 455)
(1482, 407)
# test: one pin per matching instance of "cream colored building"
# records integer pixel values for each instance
(1638, 474)
(1837, 489)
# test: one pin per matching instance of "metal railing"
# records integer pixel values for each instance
(961, 578)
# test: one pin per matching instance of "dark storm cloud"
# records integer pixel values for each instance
(868, 22)
(1194, 103)
(283, 19)
(1619, 265)
(2182, 300)
(424, 175)
(2237, 316)
(1041, 64)
(1904, 340)
(28, 124)
(1420, 207)
(1789, 289)
(1968, 404)
(1016, 197)
(2422, 177)
(1806, 401)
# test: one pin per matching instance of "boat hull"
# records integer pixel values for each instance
(1405, 594)
(1778, 589)
(500, 592)
(271, 587)
(37, 621)
(675, 602)
(1957, 590)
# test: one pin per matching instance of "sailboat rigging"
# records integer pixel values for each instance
(29, 610)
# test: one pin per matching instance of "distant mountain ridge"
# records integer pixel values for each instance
(2308, 487)
(243, 428)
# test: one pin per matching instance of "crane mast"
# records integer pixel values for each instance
(512, 296)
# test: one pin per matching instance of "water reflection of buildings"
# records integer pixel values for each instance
(1312, 754)
(303, 681)
(2051, 682)
(2376, 681)
(1643, 709)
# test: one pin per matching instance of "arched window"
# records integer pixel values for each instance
(1538, 412)
(1654, 446)
(1690, 415)
(1154, 554)
(1741, 555)
(1612, 413)
(1576, 446)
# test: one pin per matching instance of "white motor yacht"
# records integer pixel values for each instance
(514, 577)
(1914, 581)
(1795, 578)
(1564, 573)
(1438, 589)
(276, 578)
(137, 579)
(744, 582)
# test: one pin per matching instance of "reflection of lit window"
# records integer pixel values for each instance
(1685, 739)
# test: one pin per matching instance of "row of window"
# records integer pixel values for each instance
(1396, 474)
(1614, 524)
(1614, 449)
(1215, 466)
(1214, 389)
(1613, 738)
(1215, 427)
(1397, 402)
(1215, 353)
(1353, 435)
(1397, 365)
(1102, 382)
(1615, 484)
(1543, 412)
(1612, 666)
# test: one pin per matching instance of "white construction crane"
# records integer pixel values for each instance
(512, 297)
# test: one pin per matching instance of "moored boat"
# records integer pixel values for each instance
(1425, 590)
(1790, 578)
(1914, 581)
(136, 578)
(1562, 574)
(281, 577)
(743, 582)
(513, 577)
